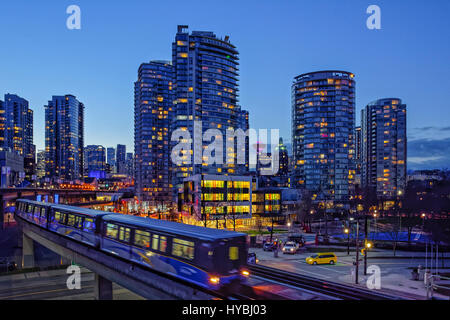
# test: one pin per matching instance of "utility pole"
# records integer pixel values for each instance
(357, 250)
(365, 244)
(271, 231)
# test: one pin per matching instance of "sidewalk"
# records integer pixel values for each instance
(395, 284)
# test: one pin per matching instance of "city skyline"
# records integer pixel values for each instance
(392, 70)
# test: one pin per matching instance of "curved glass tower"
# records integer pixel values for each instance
(323, 120)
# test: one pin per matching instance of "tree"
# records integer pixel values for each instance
(394, 232)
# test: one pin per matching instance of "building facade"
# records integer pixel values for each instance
(130, 164)
(111, 157)
(95, 161)
(11, 169)
(323, 117)
(17, 119)
(384, 151)
(206, 90)
(16, 131)
(121, 161)
(358, 156)
(40, 172)
(64, 138)
(153, 114)
(207, 198)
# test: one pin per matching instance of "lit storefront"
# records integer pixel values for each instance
(216, 200)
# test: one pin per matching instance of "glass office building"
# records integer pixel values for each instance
(95, 161)
(153, 112)
(383, 151)
(16, 123)
(64, 138)
(111, 157)
(323, 117)
(206, 90)
(121, 163)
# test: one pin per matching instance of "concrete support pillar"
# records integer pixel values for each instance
(27, 252)
(103, 288)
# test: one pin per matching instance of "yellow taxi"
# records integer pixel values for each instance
(322, 258)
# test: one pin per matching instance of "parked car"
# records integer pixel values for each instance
(251, 258)
(269, 246)
(322, 258)
(297, 238)
(7, 266)
(290, 247)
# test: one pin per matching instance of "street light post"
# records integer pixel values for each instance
(375, 215)
(365, 244)
(347, 231)
(357, 250)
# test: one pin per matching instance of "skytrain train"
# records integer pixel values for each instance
(211, 258)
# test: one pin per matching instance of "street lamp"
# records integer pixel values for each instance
(347, 231)
(368, 246)
(423, 216)
(375, 216)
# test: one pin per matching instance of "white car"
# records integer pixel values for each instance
(290, 247)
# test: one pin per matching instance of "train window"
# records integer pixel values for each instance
(89, 224)
(61, 219)
(233, 253)
(57, 216)
(183, 249)
(43, 212)
(124, 234)
(142, 238)
(112, 231)
(162, 244)
(155, 241)
(78, 222)
(71, 220)
(159, 243)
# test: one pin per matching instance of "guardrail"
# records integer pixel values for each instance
(430, 284)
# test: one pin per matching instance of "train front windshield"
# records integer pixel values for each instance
(230, 255)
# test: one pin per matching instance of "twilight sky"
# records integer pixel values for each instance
(408, 58)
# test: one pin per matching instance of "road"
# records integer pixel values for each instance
(51, 285)
(395, 271)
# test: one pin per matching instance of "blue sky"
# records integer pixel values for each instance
(277, 40)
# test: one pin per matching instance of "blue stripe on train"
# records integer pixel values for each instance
(166, 264)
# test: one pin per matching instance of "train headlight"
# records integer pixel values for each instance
(245, 273)
(214, 280)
